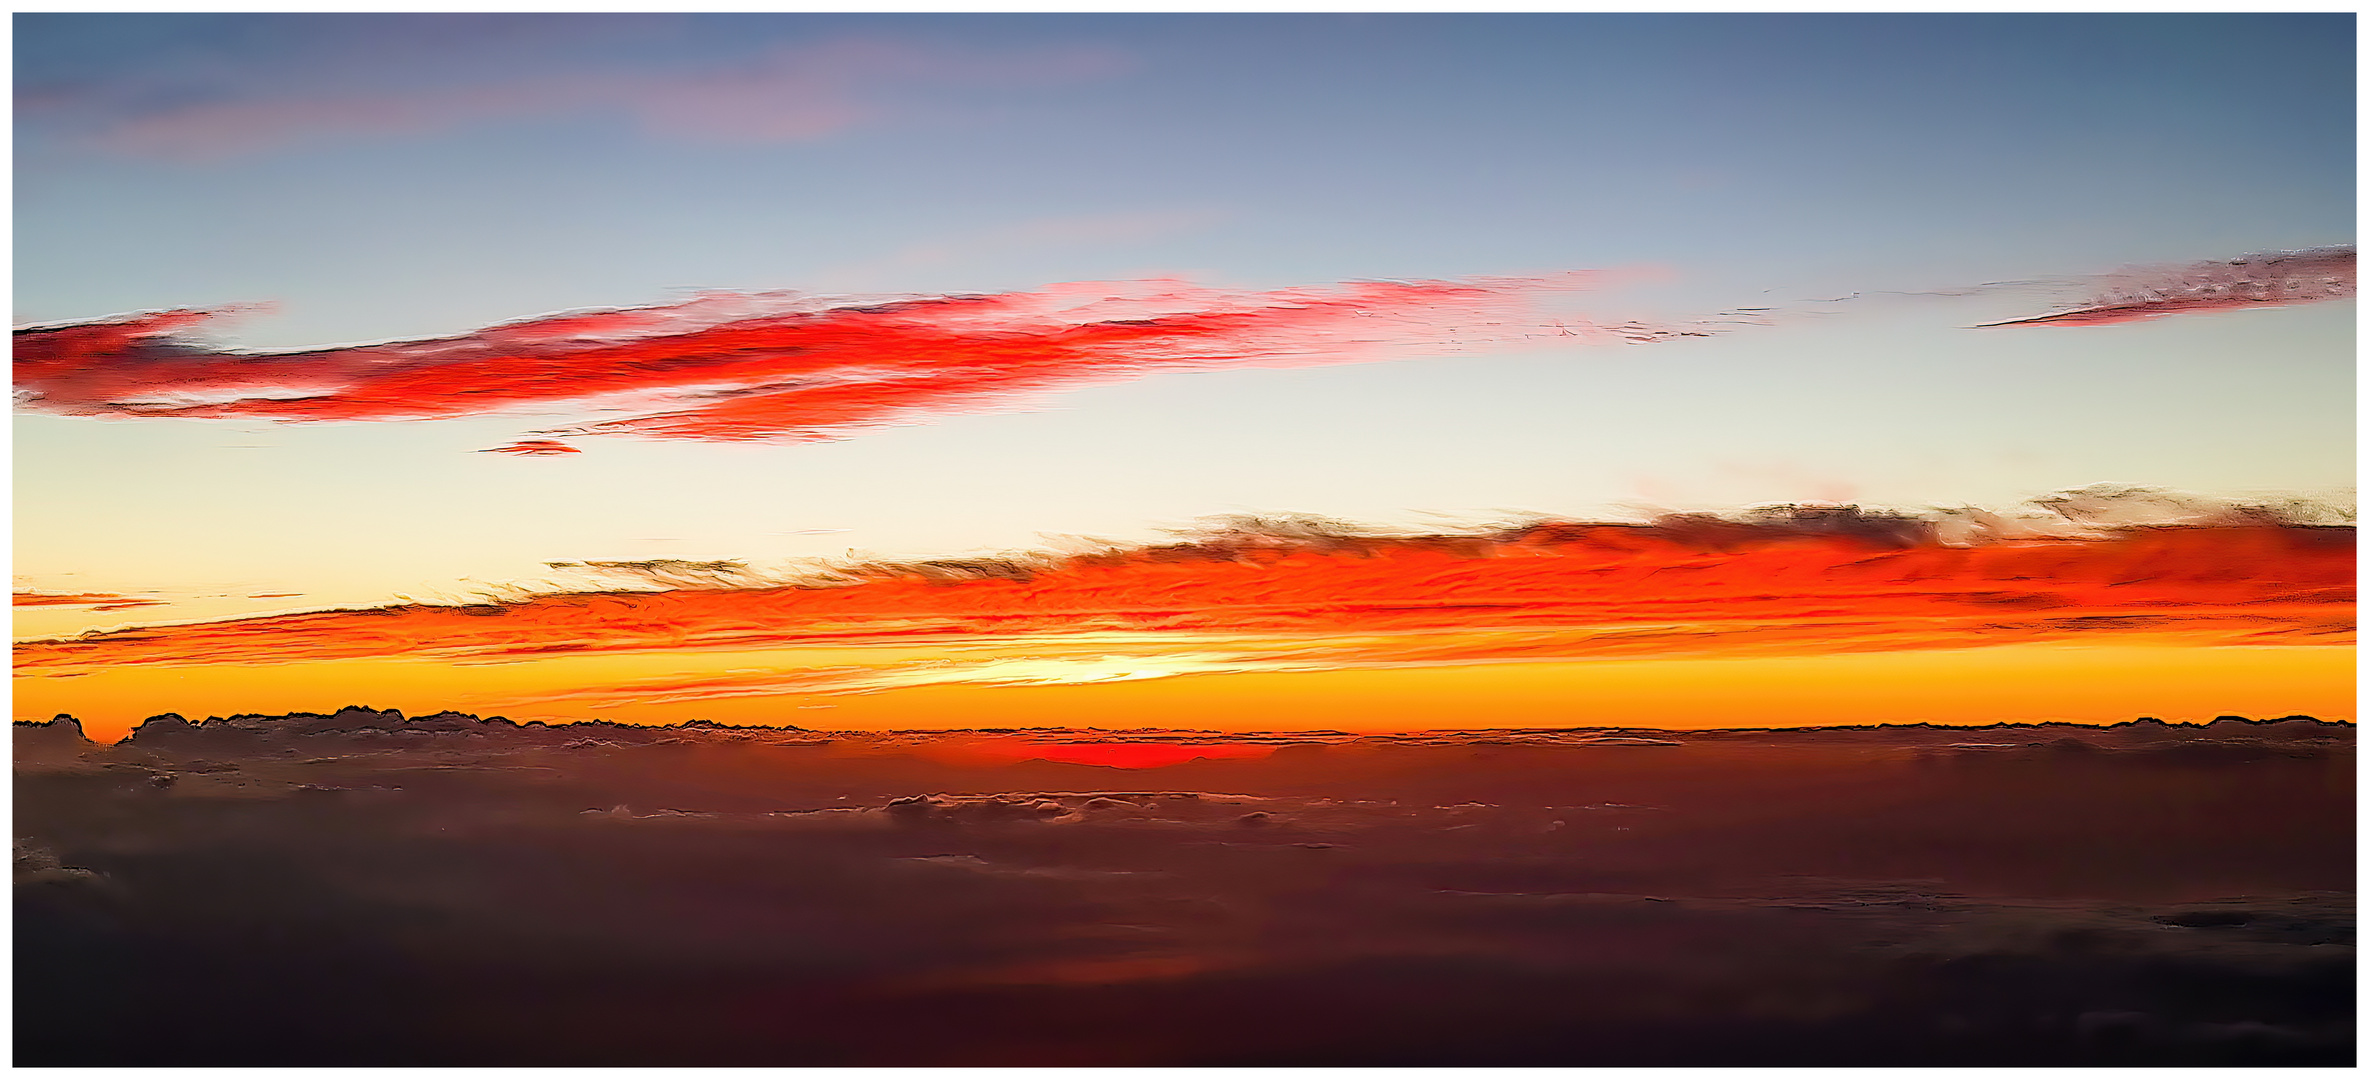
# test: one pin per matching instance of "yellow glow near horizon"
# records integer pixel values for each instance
(2025, 682)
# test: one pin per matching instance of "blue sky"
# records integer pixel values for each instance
(381, 177)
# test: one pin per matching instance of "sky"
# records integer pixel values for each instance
(900, 287)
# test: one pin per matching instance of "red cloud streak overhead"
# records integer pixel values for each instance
(781, 367)
(1654, 588)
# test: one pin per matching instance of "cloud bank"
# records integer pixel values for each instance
(775, 366)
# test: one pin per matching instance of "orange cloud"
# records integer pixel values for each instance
(1267, 602)
(782, 367)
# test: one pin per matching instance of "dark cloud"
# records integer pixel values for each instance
(2276, 278)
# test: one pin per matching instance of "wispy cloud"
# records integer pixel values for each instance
(95, 601)
(665, 573)
(2277, 278)
(774, 366)
(790, 92)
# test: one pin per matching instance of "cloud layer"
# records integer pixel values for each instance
(734, 367)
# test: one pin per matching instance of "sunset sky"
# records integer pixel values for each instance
(784, 289)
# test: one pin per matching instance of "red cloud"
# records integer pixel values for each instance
(784, 367)
(2293, 277)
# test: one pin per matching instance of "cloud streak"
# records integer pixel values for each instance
(791, 367)
(783, 366)
(95, 601)
(2278, 278)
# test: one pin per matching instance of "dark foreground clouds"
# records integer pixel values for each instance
(363, 888)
